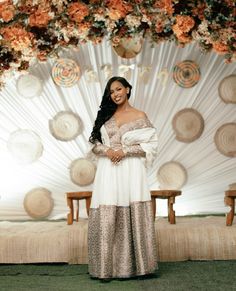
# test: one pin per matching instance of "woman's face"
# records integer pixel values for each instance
(118, 92)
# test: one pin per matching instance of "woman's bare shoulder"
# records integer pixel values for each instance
(139, 113)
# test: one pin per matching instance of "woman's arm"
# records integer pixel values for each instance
(100, 149)
(134, 151)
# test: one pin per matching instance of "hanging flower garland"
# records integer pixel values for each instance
(37, 29)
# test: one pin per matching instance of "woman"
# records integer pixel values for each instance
(121, 236)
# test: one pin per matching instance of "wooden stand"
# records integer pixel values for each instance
(165, 194)
(77, 196)
(230, 196)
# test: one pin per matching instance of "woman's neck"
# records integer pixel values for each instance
(124, 107)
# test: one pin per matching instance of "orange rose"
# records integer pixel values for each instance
(42, 56)
(158, 26)
(17, 37)
(184, 38)
(220, 48)
(183, 24)
(39, 18)
(7, 10)
(78, 11)
(118, 9)
(165, 5)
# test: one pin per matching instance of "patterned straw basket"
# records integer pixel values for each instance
(186, 74)
(65, 72)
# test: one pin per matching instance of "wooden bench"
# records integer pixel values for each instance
(70, 196)
(230, 196)
(165, 194)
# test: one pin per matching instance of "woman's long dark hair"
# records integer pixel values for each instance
(107, 108)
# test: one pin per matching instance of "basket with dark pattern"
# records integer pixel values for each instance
(186, 74)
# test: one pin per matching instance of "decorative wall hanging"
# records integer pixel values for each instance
(172, 176)
(125, 71)
(163, 75)
(65, 126)
(186, 74)
(128, 47)
(227, 89)
(25, 146)
(225, 139)
(29, 86)
(38, 203)
(188, 125)
(65, 72)
(82, 172)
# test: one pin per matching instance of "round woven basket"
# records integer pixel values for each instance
(65, 72)
(25, 146)
(188, 125)
(225, 139)
(29, 86)
(65, 126)
(38, 203)
(186, 74)
(171, 176)
(128, 47)
(227, 89)
(82, 172)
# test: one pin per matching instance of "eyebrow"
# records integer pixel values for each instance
(115, 88)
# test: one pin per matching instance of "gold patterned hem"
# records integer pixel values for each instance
(121, 241)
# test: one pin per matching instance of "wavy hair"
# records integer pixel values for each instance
(107, 108)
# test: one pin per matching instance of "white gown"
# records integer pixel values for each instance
(121, 236)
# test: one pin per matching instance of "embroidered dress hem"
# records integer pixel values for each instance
(121, 241)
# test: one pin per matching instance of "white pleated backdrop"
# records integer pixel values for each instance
(209, 172)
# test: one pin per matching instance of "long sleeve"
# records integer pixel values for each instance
(134, 151)
(100, 149)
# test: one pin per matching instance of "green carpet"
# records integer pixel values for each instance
(190, 275)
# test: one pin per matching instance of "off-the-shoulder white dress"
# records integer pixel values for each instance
(121, 236)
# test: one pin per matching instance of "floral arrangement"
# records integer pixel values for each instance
(37, 29)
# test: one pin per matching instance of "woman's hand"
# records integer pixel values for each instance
(115, 156)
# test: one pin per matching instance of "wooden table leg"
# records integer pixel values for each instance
(70, 215)
(77, 211)
(154, 207)
(88, 202)
(230, 216)
(171, 212)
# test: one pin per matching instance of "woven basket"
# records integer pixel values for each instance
(38, 203)
(188, 125)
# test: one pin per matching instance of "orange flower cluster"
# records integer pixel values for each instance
(220, 47)
(165, 5)
(7, 10)
(118, 9)
(183, 25)
(78, 11)
(17, 37)
(39, 18)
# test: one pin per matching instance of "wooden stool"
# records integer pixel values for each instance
(230, 196)
(77, 196)
(165, 194)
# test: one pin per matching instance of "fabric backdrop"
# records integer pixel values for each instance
(209, 172)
